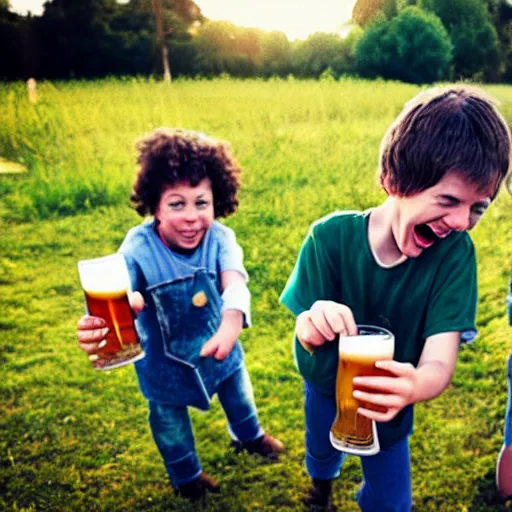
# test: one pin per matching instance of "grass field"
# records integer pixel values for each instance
(73, 439)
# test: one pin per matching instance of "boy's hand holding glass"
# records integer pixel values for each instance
(409, 384)
(323, 322)
(388, 394)
(357, 356)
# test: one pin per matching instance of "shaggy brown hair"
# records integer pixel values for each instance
(169, 156)
(456, 128)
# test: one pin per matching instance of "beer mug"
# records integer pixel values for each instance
(106, 284)
(351, 432)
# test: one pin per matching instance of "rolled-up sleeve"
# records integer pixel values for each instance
(231, 255)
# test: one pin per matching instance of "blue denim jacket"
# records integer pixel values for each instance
(172, 326)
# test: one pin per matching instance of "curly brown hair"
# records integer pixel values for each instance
(169, 156)
(455, 128)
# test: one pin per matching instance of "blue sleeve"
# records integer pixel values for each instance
(509, 303)
(231, 255)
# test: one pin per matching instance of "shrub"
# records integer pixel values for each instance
(412, 47)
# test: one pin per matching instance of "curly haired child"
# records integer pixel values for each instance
(191, 298)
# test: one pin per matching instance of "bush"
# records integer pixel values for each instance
(474, 38)
(317, 53)
(412, 47)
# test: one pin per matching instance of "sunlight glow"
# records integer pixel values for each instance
(24, 6)
(36, 6)
(296, 18)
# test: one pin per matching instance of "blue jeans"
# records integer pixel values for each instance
(387, 475)
(172, 429)
(508, 415)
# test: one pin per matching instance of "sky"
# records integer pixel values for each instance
(296, 18)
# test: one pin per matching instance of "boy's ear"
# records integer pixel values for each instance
(386, 185)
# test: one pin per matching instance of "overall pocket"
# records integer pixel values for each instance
(189, 313)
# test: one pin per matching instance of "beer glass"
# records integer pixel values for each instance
(106, 284)
(350, 431)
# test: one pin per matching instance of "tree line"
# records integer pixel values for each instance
(418, 41)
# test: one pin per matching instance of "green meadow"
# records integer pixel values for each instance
(76, 439)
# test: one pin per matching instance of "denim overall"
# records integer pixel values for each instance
(186, 327)
(173, 375)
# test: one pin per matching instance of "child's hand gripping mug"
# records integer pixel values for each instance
(106, 284)
(351, 432)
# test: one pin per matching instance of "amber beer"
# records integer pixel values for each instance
(350, 431)
(106, 283)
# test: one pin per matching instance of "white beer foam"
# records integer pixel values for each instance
(107, 274)
(369, 345)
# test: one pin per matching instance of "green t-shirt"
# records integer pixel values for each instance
(431, 294)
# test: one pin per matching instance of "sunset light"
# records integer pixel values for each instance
(296, 18)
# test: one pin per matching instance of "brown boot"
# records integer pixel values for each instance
(265, 445)
(319, 498)
(198, 488)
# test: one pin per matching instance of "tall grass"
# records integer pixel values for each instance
(73, 439)
(78, 140)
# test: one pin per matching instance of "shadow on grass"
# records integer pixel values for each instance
(487, 497)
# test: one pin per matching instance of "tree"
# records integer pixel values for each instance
(346, 63)
(366, 11)
(94, 38)
(276, 54)
(413, 47)
(475, 42)
(247, 51)
(500, 14)
(133, 35)
(75, 38)
(225, 48)
(178, 18)
(160, 38)
(317, 53)
(11, 26)
(214, 42)
(170, 19)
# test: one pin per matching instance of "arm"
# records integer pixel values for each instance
(451, 309)
(312, 292)
(322, 323)
(91, 330)
(409, 385)
(236, 305)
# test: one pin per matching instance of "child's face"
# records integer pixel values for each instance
(185, 214)
(452, 204)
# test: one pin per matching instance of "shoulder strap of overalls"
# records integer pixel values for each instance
(207, 247)
(161, 260)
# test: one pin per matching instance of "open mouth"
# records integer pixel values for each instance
(189, 235)
(425, 236)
